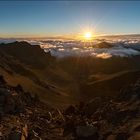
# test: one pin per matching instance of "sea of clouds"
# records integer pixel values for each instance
(68, 48)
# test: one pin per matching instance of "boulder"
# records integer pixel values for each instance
(137, 128)
(3, 94)
(10, 105)
(122, 136)
(10, 101)
(2, 81)
(111, 137)
(70, 110)
(19, 88)
(135, 136)
(87, 133)
(15, 136)
(93, 105)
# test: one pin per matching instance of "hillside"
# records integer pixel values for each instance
(61, 82)
(110, 84)
(28, 65)
(25, 117)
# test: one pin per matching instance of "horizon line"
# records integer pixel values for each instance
(67, 36)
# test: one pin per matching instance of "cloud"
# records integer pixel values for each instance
(103, 55)
(7, 40)
(121, 48)
(95, 52)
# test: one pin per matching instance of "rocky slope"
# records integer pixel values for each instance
(25, 117)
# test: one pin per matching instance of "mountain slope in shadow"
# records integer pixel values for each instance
(28, 65)
(64, 81)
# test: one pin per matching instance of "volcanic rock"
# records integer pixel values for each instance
(87, 133)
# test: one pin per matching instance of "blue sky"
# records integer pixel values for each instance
(54, 18)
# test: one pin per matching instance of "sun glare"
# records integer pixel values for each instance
(88, 35)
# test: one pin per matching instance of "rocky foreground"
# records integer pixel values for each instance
(24, 117)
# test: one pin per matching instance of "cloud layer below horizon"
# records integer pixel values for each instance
(60, 49)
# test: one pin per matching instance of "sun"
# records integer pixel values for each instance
(88, 36)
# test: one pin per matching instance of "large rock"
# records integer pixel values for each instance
(10, 105)
(15, 136)
(136, 136)
(70, 110)
(93, 105)
(111, 137)
(87, 133)
(122, 136)
(2, 81)
(10, 101)
(3, 94)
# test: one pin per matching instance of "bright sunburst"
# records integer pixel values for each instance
(88, 35)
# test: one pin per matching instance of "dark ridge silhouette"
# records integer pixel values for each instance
(104, 45)
(31, 55)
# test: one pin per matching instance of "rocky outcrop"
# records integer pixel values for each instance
(24, 117)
